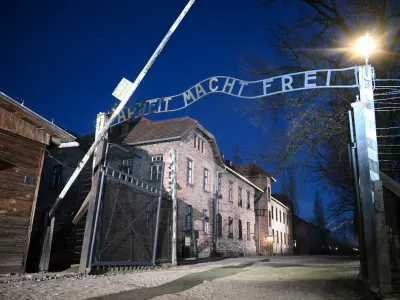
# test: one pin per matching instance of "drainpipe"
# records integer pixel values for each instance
(216, 211)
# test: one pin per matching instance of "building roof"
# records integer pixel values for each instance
(29, 116)
(284, 200)
(146, 131)
(252, 170)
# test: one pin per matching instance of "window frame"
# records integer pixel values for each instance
(240, 199)
(188, 218)
(240, 228)
(248, 203)
(230, 227)
(57, 175)
(206, 180)
(189, 171)
(248, 230)
(230, 196)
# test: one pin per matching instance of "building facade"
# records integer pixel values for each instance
(24, 137)
(213, 200)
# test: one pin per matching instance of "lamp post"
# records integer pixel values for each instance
(373, 218)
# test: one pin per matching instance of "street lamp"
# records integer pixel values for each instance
(365, 45)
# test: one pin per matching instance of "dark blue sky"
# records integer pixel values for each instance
(64, 59)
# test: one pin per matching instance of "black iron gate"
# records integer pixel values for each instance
(132, 224)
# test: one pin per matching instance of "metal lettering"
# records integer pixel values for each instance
(131, 111)
(187, 96)
(210, 84)
(166, 99)
(328, 78)
(287, 84)
(230, 84)
(142, 108)
(242, 84)
(200, 90)
(307, 79)
(121, 117)
(151, 105)
(266, 85)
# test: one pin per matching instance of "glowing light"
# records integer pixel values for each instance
(365, 45)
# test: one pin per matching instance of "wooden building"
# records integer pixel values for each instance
(24, 136)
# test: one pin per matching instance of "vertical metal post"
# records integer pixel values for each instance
(84, 265)
(365, 128)
(172, 186)
(153, 260)
(353, 166)
(384, 269)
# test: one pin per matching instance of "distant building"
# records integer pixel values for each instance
(24, 136)
(274, 217)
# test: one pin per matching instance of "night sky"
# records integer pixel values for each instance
(64, 59)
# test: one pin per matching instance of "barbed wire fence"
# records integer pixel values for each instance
(387, 112)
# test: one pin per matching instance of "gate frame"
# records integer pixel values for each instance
(99, 200)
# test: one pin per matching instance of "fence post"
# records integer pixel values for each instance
(368, 166)
(84, 265)
(385, 278)
(352, 147)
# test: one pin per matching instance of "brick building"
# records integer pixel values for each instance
(273, 220)
(213, 199)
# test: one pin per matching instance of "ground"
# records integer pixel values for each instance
(282, 277)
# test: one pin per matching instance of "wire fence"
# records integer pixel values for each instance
(387, 112)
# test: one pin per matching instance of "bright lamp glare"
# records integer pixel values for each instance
(365, 45)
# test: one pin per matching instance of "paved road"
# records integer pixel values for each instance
(306, 277)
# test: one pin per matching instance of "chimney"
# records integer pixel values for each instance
(228, 163)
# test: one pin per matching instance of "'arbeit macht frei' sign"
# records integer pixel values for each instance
(242, 89)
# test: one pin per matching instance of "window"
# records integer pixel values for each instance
(280, 216)
(195, 141)
(230, 191)
(248, 230)
(288, 239)
(284, 238)
(276, 214)
(240, 202)
(230, 229)
(205, 221)
(155, 168)
(189, 171)
(272, 210)
(269, 218)
(277, 236)
(219, 225)
(127, 166)
(202, 146)
(240, 230)
(269, 193)
(198, 144)
(273, 234)
(188, 218)
(281, 238)
(287, 219)
(57, 172)
(248, 200)
(283, 218)
(206, 181)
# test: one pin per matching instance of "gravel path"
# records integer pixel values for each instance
(307, 277)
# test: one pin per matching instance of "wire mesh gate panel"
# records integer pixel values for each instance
(131, 211)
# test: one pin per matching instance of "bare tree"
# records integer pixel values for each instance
(317, 128)
(237, 158)
(319, 214)
(289, 186)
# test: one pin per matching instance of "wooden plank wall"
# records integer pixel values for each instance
(14, 124)
(19, 157)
